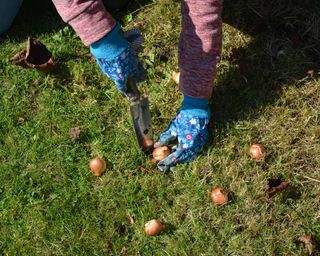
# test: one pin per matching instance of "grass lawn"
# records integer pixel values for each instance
(267, 90)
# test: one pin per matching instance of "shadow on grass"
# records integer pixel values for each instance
(37, 17)
(292, 193)
(34, 18)
(169, 229)
(285, 46)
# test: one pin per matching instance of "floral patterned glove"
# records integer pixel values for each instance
(117, 57)
(189, 127)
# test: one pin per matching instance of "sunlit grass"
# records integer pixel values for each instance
(50, 202)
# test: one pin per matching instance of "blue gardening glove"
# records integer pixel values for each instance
(116, 55)
(189, 127)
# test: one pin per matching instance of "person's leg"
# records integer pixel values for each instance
(8, 11)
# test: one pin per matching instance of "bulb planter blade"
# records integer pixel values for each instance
(141, 117)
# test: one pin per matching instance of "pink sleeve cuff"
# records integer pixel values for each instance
(89, 18)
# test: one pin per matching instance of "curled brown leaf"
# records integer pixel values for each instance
(309, 243)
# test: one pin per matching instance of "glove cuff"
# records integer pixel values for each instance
(195, 106)
(110, 46)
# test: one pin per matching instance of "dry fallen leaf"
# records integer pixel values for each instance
(131, 220)
(123, 250)
(21, 119)
(74, 133)
(175, 77)
(273, 186)
(309, 243)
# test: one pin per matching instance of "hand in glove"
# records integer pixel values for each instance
(116, 55)
(189, 127)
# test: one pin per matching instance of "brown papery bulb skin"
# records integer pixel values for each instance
(218, 196)
(153, 227)
(257, 151)
(97, 166)
(160, 153)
